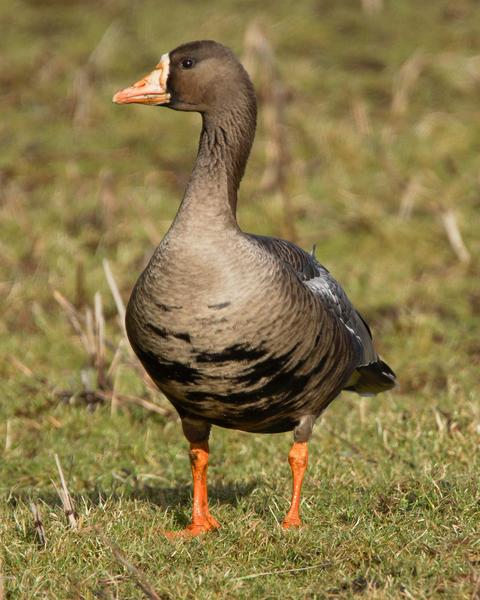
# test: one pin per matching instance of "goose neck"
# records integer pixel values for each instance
(224, 147)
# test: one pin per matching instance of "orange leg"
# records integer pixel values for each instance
(298, 459)
(202, 520)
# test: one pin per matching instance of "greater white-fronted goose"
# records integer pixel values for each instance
(237, 330)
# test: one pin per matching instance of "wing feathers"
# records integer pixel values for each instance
(371, 375)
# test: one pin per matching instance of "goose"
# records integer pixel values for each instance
(237, 330)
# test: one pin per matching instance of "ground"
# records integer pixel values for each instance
(382, 135)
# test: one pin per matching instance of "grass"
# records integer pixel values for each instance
(384, 135)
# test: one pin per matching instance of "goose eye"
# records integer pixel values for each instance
(188, 63)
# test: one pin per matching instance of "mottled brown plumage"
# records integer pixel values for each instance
(237, 330)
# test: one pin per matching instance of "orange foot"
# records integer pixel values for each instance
(199, 527)
(291, 522)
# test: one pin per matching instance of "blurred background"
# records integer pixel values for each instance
(368, 146)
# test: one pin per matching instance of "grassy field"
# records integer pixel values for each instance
(382, 127)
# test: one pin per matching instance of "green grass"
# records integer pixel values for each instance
(391, 501)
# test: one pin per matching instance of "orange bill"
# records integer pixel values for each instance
(152, 89)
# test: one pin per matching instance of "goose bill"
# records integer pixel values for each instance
(152, 89)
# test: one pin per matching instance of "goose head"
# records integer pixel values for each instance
(202, 76)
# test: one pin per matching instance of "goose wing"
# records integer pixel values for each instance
(372, 375)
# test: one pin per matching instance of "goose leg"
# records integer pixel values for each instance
(298, 459)
(202, 520)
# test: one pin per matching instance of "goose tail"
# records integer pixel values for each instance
(372, 379)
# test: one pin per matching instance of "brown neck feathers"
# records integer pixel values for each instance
(225, 143)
